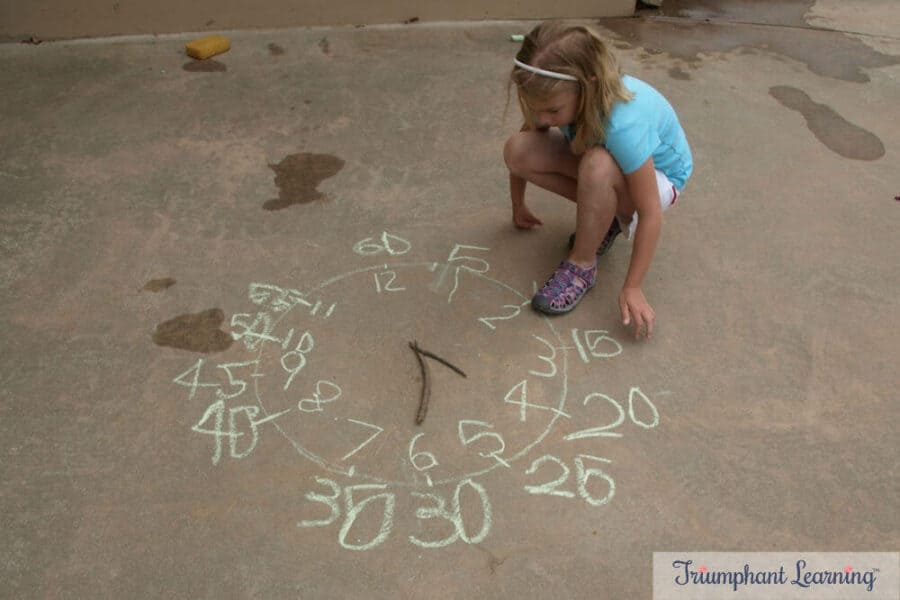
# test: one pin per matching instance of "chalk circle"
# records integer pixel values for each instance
(544, 411)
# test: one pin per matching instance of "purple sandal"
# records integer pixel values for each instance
(564, 289)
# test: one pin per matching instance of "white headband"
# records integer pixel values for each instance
(544, 72)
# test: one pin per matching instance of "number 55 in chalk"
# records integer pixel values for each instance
(207, 46)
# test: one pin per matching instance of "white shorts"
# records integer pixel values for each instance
(668, 194)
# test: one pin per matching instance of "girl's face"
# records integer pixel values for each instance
(558, 109)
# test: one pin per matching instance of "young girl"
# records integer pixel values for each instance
(619, 153)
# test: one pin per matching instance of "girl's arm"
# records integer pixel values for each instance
(522, 217)
(517, 185)
(516, 190)
(644, 193)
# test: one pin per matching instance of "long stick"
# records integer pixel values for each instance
(426, 384)
(442, 361)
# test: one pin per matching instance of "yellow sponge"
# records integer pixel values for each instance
(207, 46)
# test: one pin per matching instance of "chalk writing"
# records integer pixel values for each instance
(281, 300)
(518, 395)
(549, 488)
(297, 357)
(302, 358)
(438, 511)
(314, 308)
(353, 508)
(386, 244)
(286, 341)
(216, 411)
(272, 330)
(319, 398)
(592, 339)
(454, 516)
(470, 439)
(431, 459)
(362, 511)
(329, 501)
(512, 311)
(551, 360)
(239, 384)
(474, 265)
(583, 474)
(272, 296)
(385, 282)
(368, 440)
(253, 333)
(637, 393)
(601, 431)
(604, 430)
(194, 383)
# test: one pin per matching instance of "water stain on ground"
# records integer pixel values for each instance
(204, 66)
(275, 50)
(789, 13)
(297, 177)
(679, 73)
(838, 134)
(827, 53)
(158, 285)
(198, 332)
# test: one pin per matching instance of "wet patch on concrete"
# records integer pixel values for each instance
(826, 53)
(833, 130)
(204, 66)
(297, 177)
(789, 13)
(158, 285)
(275, 50)
(198, 332)
(679, 73)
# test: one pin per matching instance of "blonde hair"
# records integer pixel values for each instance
(578, 51)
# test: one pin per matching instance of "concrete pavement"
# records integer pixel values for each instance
(211, 276)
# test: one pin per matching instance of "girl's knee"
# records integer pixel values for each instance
(515, 153)
(599, 167)
(530, 152)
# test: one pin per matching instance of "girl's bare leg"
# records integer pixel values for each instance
(593, 181)
(602, 193)
(544, 159)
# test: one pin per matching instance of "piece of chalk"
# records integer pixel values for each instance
(207, 46)
(517, 37)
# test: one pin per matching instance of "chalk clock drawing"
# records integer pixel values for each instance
(330, 367)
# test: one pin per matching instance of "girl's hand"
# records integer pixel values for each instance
(635, 308)
(523, 218)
